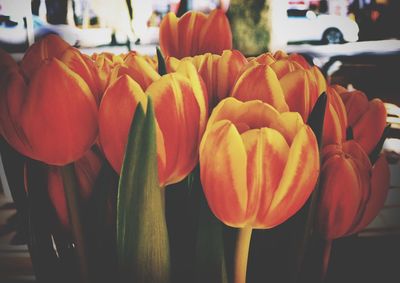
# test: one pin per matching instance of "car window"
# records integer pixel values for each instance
(296, 13)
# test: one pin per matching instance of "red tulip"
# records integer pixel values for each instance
(195, 33)
(366, 118)
(353, 191)
(46, 48)
(54, 119)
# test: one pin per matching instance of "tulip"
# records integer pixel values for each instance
(46, 48)
(353, 191)
(219, 72)
(180, 106)
(195, 33)
(287, 82)
(366, 118)
(54, 119)
(86, 169)
(138, 69)
(257, 166)
(52, 46)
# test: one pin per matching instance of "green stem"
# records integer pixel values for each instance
(242, 254)
(71, 196)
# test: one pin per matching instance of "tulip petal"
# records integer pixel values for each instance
(215, 35)
(189, 26)
(179, 117)
(369, 128)
(297, 91)
(283, 67)
(46, 48)
(267, 153)
(86, 69)
(169, 40)
(222, 153)
(254, 114)
(115, 116)
(299, 178)
(340, 197)
(260, 82)
(288, 124)
(379, 190)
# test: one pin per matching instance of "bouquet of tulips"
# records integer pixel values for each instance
(140, 169)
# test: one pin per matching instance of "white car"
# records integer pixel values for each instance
(330, 29)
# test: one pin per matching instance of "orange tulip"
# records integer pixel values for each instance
(181, 111)
(366, 118)
(46, 48)
(52, 46)
(287, 82)
(219, 72)
(195, 33)
(115, 115)
(54, 119)
(353, 191)
(86, 169)
(257, 166)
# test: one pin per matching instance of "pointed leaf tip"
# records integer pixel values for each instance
(317, 116)
(162, 68)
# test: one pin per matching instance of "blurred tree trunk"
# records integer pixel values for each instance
(250, 25)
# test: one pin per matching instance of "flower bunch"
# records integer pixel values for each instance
(249, 123)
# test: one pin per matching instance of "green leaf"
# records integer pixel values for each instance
(374, 155)
(142, 237)
(162, 68)
(316, 122)
(317, 116)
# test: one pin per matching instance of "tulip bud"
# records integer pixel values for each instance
(195, 33)
(46, 48)
(353, 191)
(366, 118)
(55, 120)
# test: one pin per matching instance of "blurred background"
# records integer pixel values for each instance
(356, 43)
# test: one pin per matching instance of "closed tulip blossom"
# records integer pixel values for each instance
(180, 106)
(195, 33)
(367, 119)
(353, 191)
(52, 46)
(54, 118)
(289, 84)
(257, 166)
